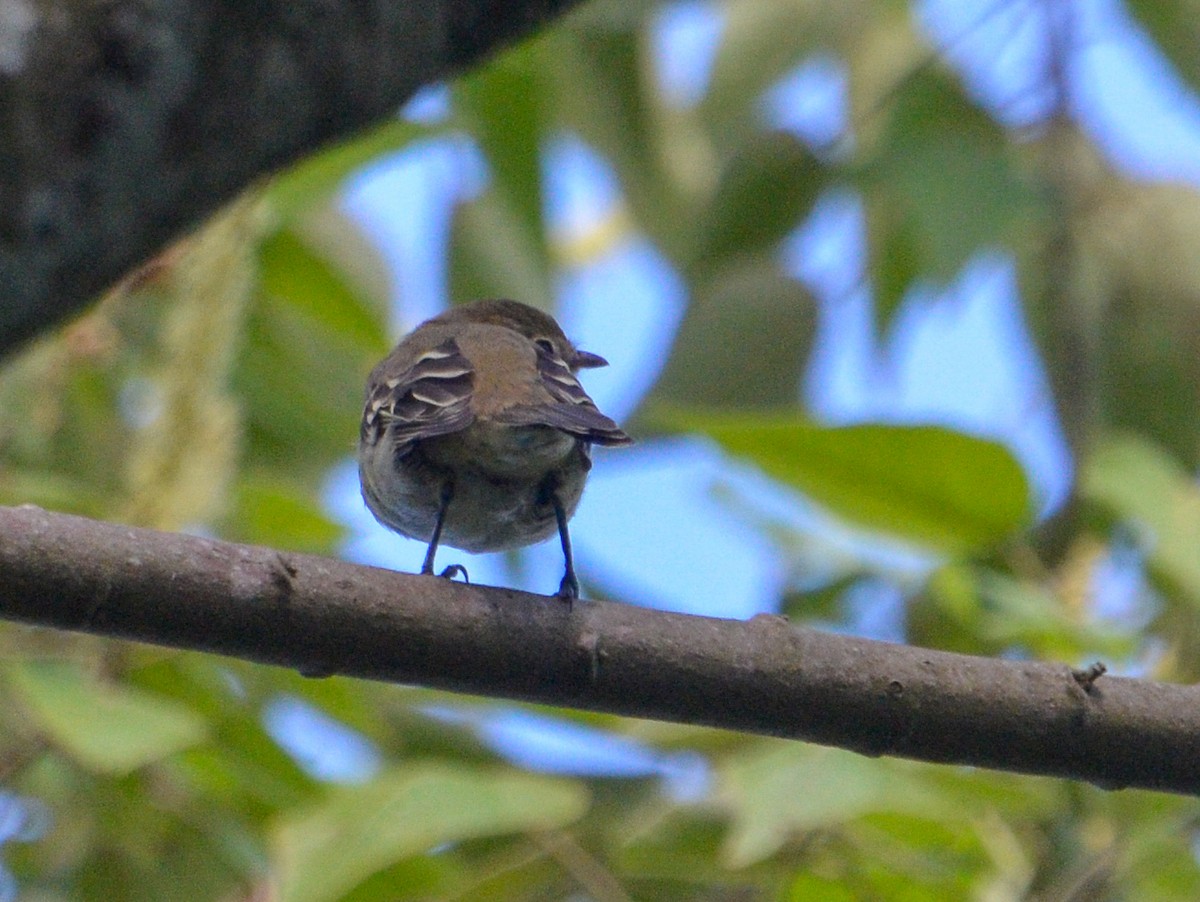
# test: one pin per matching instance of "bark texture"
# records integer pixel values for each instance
(323, 616)
(125, 122)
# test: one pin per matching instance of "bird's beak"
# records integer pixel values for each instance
(586, 360)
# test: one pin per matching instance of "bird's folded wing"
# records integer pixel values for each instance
(570, 409)
(431, 397)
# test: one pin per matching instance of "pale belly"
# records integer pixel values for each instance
(501, 507)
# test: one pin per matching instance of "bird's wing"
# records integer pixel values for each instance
(431, 397)
(570, 409)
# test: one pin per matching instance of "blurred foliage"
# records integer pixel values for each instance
(218, 385)
(925, 483)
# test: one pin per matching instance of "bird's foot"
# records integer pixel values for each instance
(456, 570)
(568, 589)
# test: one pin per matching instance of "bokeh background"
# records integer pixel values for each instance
(901, 302)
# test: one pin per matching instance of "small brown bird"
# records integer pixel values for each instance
(476, 433)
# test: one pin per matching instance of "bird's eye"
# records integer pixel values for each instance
(545, 344)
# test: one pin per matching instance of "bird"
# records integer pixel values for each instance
(477, 434)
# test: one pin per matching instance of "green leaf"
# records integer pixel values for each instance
(291, 270)
(604, 92)
(1135, 481)
(504, 107)
(812, 886)
(1175, 27)
(732, 309)
(107, 728)
(325, 851)
(764, 193)
(493, 255)
(1148, 375)
(943, 185)
(680, 846)
(977, 610)
(310, 342)
(66, 493)
(499, 245)
(936, 486)
(275, 513)
(823, 603)
(760, 44)
(776, 790)
(318, 176)
(418, 879)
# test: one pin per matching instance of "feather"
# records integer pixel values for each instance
(571, 410)
(432, 397)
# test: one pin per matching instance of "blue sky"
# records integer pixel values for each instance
(650, 521)
(657, 525)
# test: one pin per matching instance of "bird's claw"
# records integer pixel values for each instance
(456, 570)
(568, 589)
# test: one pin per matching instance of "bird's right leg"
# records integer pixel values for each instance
(453, 570)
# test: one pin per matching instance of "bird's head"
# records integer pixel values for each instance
(538, 327)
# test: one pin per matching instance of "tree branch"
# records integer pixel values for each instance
(123, 123)
(324, 617)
